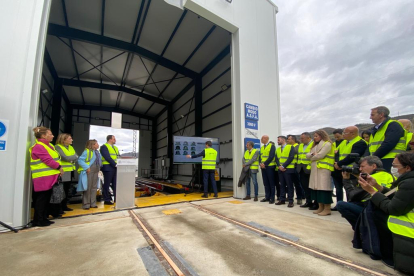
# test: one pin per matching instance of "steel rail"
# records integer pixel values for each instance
(307, 249)
(162, 251)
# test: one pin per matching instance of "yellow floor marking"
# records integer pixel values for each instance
(77, 209)
(236, 202)
(169, 199)
(171, 211)
(155, 200)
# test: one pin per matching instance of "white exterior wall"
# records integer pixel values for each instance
(23, 26)
(255, 74)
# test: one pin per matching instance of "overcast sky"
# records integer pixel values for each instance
(124, 137)
(338, 59)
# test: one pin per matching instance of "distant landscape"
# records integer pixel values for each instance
(363, 127)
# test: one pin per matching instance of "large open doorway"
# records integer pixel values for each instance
(167, 70)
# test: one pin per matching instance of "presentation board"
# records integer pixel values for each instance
(184, 145)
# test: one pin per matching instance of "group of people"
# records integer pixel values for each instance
(367, 165)
(51, 165)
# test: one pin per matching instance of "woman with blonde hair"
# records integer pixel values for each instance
(89, 166)
(68, 159)
(322, 159)
(45, 168)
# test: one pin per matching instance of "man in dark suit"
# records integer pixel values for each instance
(268, 165)
(388, 137)
(285, 156)
(110, 155)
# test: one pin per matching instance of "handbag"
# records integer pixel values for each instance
(58, 193)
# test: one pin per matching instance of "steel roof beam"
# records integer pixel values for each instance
(104, 86)
(215, 61)
(110, 109)
(75, 34)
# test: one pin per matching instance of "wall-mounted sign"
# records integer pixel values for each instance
(251, 112)
(4, 127)
(251, 124)
(255, 141)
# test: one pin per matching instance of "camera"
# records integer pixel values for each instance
(355, 168)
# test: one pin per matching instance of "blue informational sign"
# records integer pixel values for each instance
(254, 140)
(2, 129)
(252, 124)
(251, 112)
(4, 125)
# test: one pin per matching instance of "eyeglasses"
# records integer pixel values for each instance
(345, 133)
(395, 165)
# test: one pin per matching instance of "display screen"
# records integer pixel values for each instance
(192, 145)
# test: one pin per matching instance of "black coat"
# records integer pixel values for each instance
(401, 203)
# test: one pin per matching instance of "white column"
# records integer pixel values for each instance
(23, 25)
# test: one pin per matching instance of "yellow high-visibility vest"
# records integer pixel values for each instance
(40, 169)
(383, 178)
(295, 159)
(209, 160)
(89, 155)
(113, 152)
(376, 141)
(328, 161)
(283, 156)
(409, 137)
(402, 225)
(302, 154)
(248, 156)
(67, 166)
(344, 151)
(264, 154)
(338, 148)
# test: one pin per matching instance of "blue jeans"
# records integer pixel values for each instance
(350, 211)
(253, 176)
(206, 174)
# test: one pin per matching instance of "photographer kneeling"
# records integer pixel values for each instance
(395, 221)
(357, 196)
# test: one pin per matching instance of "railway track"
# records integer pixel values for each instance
(175, 267)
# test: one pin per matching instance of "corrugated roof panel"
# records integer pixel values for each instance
(190, 33)
(91, 53)
(217, 41)
(73, 94)
(61, 57)
(56, 13)
(84, 15)
(160, 23)
(109, 98)
(120, 19)
(91, 96)
(127, 101)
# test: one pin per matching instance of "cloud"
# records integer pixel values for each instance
(338, 59)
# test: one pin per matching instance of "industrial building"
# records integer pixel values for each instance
(171, 68)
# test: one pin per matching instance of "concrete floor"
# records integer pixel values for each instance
(107, 244)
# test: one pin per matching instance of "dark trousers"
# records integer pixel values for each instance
(350, 211)
(41, 203)
(206, 174)
(385, 235)
(66, 187)
(277, 184)
(286, 185)
(387, 164)
(304, 180)
(109, 178)
(268, 174)
(339, 186)
(300, 193)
